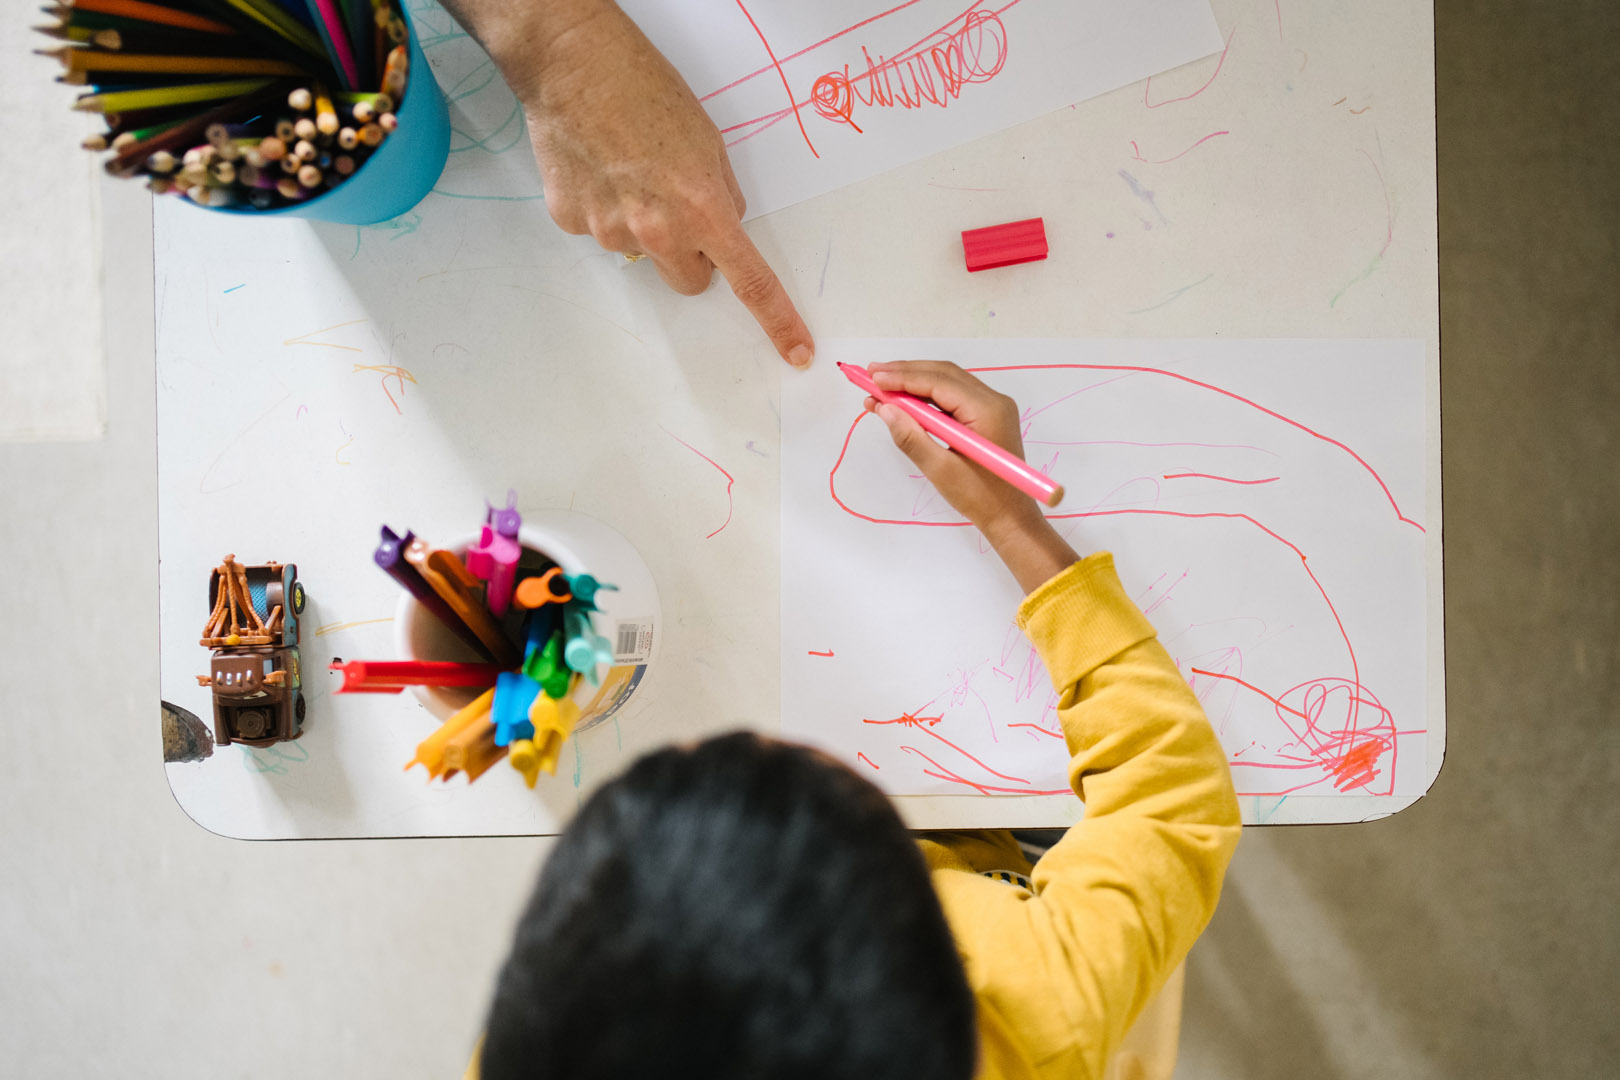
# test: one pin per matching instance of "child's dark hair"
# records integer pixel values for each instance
(741, 908)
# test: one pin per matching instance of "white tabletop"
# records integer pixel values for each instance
(403, 373)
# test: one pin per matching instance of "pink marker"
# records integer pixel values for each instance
(965, 441)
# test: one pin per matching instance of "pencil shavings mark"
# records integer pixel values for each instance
(332, 628)
(304, 339)
(868, 760)
(813, 652)
(730, 480)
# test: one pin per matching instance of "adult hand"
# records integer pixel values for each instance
(628, 155)
(1010, 520)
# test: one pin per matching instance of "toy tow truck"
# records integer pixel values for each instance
(254, 672)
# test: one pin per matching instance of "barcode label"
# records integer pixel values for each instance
(633, 640)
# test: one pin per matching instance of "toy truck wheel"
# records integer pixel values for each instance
(298, 710)
(298, 598)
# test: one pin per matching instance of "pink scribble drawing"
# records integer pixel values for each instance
(1324, 730)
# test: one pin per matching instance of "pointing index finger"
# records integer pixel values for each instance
(756, 285)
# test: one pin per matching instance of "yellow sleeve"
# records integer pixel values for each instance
(1062, 971)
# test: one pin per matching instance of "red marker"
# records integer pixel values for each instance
(965, 441)
(392, 676)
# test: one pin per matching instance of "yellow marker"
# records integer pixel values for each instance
(525, 759)
(553, 722)
(430, 751)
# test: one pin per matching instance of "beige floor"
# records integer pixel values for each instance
(1478, 933)
(1472, 936)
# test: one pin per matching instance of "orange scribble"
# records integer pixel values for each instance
(389, 371)
(866, 759)
(303, 339)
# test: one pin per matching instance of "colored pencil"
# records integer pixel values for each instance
(152, 13)
(329, 25)
(358, 22)
(86, 60)
(167, 95)
(964, 440)
(186, 134)
(143, 40)
(275, 19)
(191, 91)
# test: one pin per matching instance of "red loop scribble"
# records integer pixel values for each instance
(831, 95)
(929, 73)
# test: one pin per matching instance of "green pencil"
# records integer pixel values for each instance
(157, 96)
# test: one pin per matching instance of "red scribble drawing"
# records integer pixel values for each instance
(939, 37)
(790, 57)
(813, 652)
(866, 759)
(792, 101)
(389, 371)
(730, 480)
(1332, 733)
(1222, 479)
(931, 74)
(1188, 97)
(1136, 151)
(302, 409)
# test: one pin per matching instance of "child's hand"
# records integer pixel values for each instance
(1010, 520)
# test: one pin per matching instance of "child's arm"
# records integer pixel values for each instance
(1121, 898)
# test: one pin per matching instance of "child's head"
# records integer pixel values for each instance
(741, 908)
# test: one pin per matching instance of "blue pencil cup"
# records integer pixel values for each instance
(402, 170)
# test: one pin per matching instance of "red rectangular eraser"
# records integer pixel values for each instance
(1003, 245)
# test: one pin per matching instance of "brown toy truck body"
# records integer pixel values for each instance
(255, 673)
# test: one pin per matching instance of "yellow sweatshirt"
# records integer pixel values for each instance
(1061, 969)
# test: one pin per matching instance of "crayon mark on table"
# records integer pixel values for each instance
(304, 339)
(866, 759)
(1389, 227)
(233, 288)
(1173, 296)
(1136, 151)
(730, 480)
(332, 628)
(1147, 86)
(813, 652)
(389, 371)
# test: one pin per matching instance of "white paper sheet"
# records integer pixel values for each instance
(1264, 504)
(811, 97)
